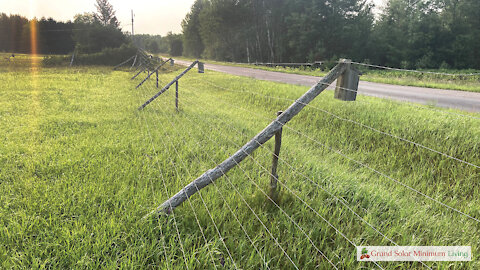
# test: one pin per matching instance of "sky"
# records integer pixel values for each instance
(151, 16)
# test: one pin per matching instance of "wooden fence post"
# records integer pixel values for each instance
(73, 57)
(176, 95)
(347, 83)
(134, 61)
(156, 72)
(166, 87)
(201, 67)
(263, 136)
(276, 153)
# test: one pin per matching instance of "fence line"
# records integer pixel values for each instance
(201, 197)
(266, 195)
(169, 206)
(236, 218)
(166, 193)
(193, 209)
(343, 202)
(368, 167)
(296, 195)
(273, 201)
(218, 191)
(155, 195)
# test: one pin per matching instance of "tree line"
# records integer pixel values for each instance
(171, 43)
(405, 34)
(54, 37)
(88, 33)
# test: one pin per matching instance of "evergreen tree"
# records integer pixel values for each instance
(105, 13)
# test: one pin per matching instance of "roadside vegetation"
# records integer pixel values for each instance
(81, 167)
(406, 78)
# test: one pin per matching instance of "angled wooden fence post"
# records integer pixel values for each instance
(347, 83)
(213, 174)
(166, 87)
(176, 95)
(134, 61)
(123, 63)
(150, 73)
(276, 153)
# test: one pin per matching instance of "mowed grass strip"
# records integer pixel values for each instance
(81, 167)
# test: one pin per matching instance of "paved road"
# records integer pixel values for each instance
(462, 100)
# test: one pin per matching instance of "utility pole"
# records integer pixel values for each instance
(133, 33)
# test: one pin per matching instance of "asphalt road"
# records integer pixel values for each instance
(468, 101)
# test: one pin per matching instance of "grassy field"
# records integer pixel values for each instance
(463, 83)
(80, 167)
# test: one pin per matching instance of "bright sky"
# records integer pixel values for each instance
(151, 16)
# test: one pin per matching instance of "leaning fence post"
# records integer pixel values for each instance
(262, 137)
(166, 87)
(347, 83)
(176, 95)
(134, 61)
(276, 153)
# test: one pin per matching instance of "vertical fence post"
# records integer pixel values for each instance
(73, 57)
(347, 83)
(276, 153)
(201, 67)
(176, 95)
(156, 72)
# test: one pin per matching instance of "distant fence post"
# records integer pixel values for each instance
(172, 62)
(347, 83)
(134, 61)
(151, 73)
(276, 153)
(166, 87)
(123, 63)
(73, 57)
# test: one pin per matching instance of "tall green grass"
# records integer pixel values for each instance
(81, 167)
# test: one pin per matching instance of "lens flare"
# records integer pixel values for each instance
(34, 42)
